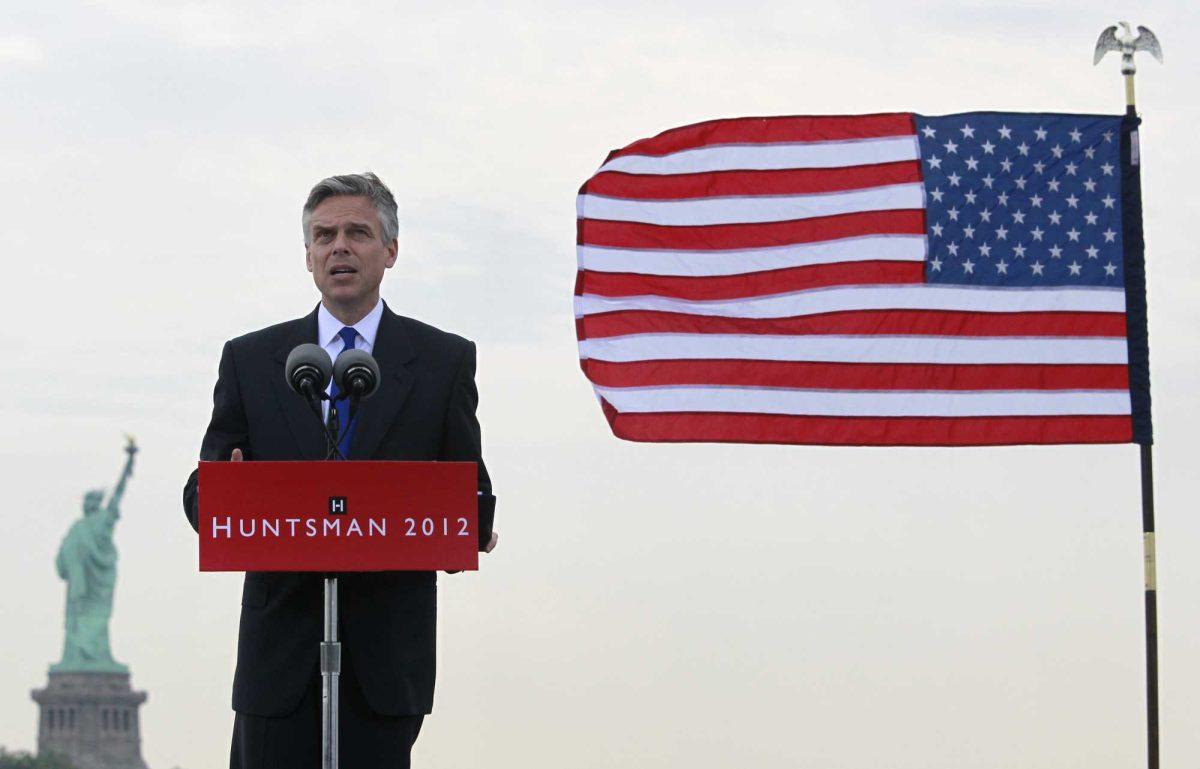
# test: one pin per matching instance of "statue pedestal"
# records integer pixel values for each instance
(92, 718)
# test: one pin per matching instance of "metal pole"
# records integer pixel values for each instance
(331, 668)
(1148, 556)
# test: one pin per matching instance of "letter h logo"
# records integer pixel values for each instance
(337, 505)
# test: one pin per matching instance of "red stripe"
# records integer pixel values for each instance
(729, 183)
(870, 431)
(857, 376)
(600, 232)
(754, 283)
(926, 322)
(754, 130)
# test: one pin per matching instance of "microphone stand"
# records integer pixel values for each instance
(331, 648)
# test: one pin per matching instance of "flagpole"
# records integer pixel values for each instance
(1124, 41)
(1151, 590)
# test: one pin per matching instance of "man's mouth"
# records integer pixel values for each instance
(342, 270)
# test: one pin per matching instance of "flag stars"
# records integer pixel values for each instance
(934, 161)
(1089, 185)
(929, 131)
(1073, 235)
(967, 131)
(936, 229)
(1019, 217)
(1019, 251)
(1036, 201)
(968, 231)
(1020, 182)
(1023, 148)
(1108, 136)
(953, 213)
(1057, 150)
(1072, 201)
(988, 181)
(1053, 185)
(1002, 267)
(1076, 135)
(1006, 165)
(1055, 217)
(988, 147)
(936, 193)
(1039, 166)
(951, 147)
(954, 179)
(972, 164)
(1055, 252)
(952, 249)
(1090, 152)
(1091, 217)
(1071, 168)
(1109, 201)
(985, 215)
(985, 249)
(1040, 133)
(1001, 233)
(1107, 168)
(936, 264)
(1110, 269)
(1110, 236)
(1037, 268)
(970, 197)
(969, 267)
(1002, 198)
(1006, 132)
(1093, 252)
(1037, 233)
(1075, 268)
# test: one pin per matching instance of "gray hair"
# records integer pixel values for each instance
(365, 185)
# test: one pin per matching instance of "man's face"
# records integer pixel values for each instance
(345, 253)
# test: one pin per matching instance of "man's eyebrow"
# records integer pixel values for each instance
(317, 227)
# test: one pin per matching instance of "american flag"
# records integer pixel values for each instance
(889, 279)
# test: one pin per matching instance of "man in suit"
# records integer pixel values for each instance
(424, 409)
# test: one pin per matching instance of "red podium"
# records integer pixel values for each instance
(336, 517)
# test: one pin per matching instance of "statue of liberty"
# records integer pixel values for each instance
(87, 560)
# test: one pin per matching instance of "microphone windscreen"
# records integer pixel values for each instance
(356, 366)
(305, 361)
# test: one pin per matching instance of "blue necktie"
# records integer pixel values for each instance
(348, 335)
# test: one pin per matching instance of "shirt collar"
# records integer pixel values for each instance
(329, 326)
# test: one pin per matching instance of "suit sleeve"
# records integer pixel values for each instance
(462, 442)
(227, 430)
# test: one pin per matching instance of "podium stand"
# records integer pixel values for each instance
(336, 517)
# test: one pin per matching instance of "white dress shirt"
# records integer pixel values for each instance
(328, 328)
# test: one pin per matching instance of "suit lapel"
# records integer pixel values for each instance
(303, 423)
(393, 351)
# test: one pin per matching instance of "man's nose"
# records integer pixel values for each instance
(340, 243)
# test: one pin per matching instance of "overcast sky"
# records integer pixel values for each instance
(663, 606)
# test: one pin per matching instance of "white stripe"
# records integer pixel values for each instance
(856, 349)
(767, 157)
(867, 403)
(699, 212)
(883, 248)
(874, 297)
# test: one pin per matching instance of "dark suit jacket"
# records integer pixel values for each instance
(424, 410)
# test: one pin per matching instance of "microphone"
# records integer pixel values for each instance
(356, 373)
(308, 370)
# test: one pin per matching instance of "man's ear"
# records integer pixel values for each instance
(308, 260)
(393, 249)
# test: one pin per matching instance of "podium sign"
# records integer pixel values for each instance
(338, 516)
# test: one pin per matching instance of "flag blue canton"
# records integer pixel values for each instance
(1022, 199)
